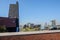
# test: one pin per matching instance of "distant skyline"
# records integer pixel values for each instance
(33, 11)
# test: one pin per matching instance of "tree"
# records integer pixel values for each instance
(2, 29)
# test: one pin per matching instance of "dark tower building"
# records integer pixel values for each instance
(14, 13)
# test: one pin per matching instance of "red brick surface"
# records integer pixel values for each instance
(47, 36)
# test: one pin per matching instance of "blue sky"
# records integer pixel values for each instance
(33, 11)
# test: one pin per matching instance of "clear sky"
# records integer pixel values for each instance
(33, 11)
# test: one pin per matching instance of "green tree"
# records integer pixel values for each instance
(2, 29)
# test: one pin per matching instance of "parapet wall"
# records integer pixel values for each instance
(38, 36)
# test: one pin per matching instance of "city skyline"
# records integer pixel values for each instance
(34, 11)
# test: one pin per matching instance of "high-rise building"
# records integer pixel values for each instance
(14, 10)
(53, 23)
(14, 13)
(11, 23)
(46, 26)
